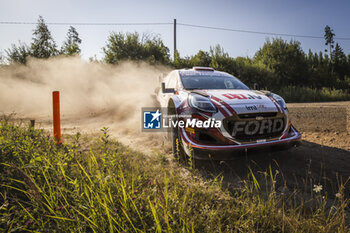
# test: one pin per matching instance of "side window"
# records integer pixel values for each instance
(171, 83)
(178, 83)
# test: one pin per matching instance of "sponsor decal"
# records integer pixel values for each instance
(251, 107)
(242, 96)
(254, 107)
(258, 127)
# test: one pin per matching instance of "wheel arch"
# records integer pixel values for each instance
(172, 106)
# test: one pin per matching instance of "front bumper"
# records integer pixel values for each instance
(226, 152)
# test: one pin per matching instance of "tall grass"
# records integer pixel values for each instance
(307, 94)
(98, 185)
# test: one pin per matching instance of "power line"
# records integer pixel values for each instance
(181, 24)
(88, 24)
(258, 32)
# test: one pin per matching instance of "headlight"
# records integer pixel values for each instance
(201, 102)
(280, 101)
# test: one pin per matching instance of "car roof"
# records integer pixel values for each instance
(198, 71)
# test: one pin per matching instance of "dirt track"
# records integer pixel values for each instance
(323, 158)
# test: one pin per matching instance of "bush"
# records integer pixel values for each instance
(130, 46)
(307, 94)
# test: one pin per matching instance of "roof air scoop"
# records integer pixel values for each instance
(200, 68)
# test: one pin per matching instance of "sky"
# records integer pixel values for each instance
(298, 17)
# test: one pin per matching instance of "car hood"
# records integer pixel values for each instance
(243, 101)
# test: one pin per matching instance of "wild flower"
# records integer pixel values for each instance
(317, 188)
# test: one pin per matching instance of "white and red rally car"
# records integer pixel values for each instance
(249, 118)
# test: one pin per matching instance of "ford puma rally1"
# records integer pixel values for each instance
(215, 114)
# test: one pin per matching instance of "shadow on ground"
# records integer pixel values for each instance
(299, 167)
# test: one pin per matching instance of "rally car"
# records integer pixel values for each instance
(239, 118)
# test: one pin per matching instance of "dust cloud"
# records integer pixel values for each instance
(92, 95)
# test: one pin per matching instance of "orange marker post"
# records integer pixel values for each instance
(56, 116)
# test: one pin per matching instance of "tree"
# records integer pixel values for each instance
(2, 59)
(220, 60)
(328, 36)
(319, 75)
(43, 45)
(339, 61)
(154, 50)
(201, 59)
(18, 54)
(71, 45)
(130, 46)
(286, 60)
(251, 73)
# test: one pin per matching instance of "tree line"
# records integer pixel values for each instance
(278, 63)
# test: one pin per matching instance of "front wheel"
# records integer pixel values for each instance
(177, 147)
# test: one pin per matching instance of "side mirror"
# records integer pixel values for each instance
(167, 90)
(256, 86)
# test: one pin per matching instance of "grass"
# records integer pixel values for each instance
(95, 184)
(307, 94)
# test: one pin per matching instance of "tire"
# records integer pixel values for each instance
(177, 147)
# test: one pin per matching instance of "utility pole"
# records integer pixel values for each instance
(174, 39)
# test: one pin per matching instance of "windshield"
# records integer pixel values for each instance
(191, 82)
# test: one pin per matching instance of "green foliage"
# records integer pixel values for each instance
(282, 67)
(286, 60)
(220, 60)
(276, 65)
(329, 37)
(43, 45)
(18, 54)
(71, 45)
(202, 58)
(307, 94)
(340, 65)
(250, 73)
(130, 46)
(107, 187)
